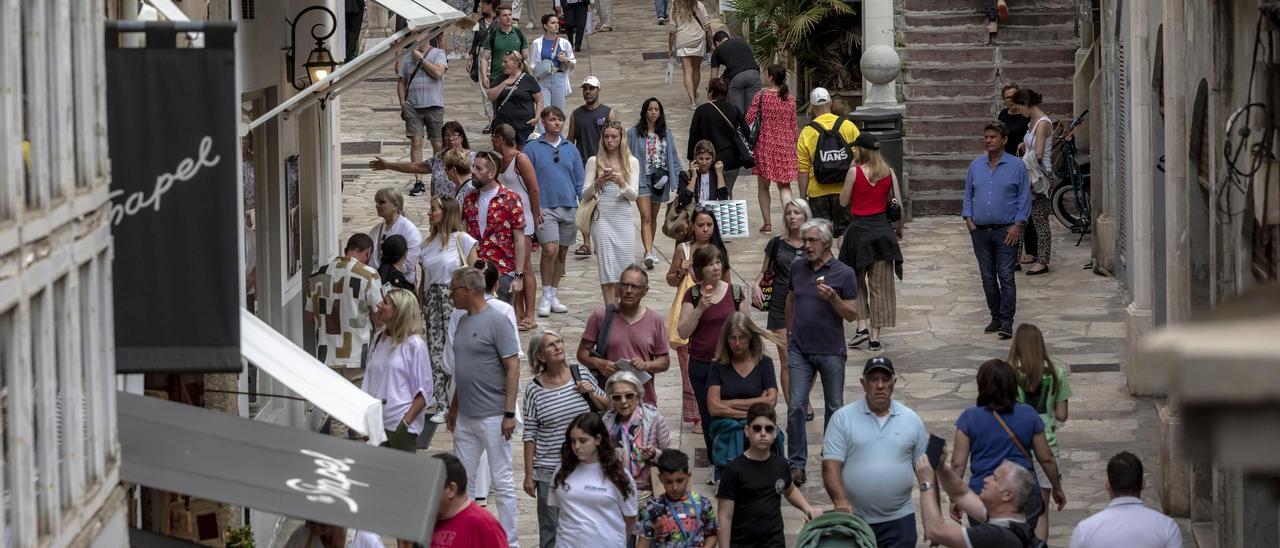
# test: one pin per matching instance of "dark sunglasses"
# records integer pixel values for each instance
(766, 428)
(623, 397)
(555, 154)
(614, 124)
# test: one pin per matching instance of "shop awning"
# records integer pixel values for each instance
(211, 455)
(426, 18)
(288, 363)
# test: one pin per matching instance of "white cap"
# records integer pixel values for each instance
(591, 81)
(819, 96)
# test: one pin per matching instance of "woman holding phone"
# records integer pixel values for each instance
(613, 180)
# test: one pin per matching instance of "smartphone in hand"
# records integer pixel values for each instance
(934, 451)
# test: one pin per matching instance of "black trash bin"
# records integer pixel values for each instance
(886, 125)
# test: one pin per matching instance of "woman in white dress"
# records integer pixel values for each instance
(613, 178)
(389, 203)
(448, 246)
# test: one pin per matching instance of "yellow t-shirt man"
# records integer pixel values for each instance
(809, 141)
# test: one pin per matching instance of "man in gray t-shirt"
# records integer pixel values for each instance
(420, 89)
(486, 377)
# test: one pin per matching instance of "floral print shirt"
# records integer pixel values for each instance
(684, 523)
(506, 213)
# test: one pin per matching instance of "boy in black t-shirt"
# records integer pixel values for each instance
(753, 485)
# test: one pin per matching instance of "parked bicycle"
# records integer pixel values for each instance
(1070, 196)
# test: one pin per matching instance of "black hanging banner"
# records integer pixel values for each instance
(174, 199)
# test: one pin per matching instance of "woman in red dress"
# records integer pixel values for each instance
(776, 149)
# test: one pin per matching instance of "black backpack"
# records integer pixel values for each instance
(832, 155)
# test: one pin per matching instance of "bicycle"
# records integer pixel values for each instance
(1070, 196)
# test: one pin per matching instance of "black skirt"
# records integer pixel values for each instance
(870, 238)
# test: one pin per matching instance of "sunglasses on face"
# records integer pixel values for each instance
(629, 396)
(766, 428)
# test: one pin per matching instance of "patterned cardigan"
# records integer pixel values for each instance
(648, 429)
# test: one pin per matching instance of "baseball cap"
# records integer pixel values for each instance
(867, 141)
(591, 81)
(819, 96)
(878, 362)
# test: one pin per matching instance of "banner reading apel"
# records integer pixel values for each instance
(174, 201)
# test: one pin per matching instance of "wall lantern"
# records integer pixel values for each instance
(320, 63)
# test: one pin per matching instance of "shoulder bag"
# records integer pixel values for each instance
(746, 157)
(673, 315)
(767, 279)
(586, 213)
(753, 130)
(677, 220)
(577, 377)
(893, 210)
(1016, 442)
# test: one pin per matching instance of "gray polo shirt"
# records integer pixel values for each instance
(480, 343)
(878, 460)
(817, 328)
(424, 91)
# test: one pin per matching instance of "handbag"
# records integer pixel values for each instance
(1016, 441)
(673, 315)
(746, 157)
(767, 279)
(544, 67)
(586, 213)
(893, 210)
(753, 129)
(577, 377)
(677, 220)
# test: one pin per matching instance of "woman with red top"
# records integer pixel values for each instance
(871, 244)
(776, 149)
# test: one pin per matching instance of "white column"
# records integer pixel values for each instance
(877, 30)
(1138, 313)
(1177, 252)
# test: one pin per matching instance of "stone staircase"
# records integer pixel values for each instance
(952, 83)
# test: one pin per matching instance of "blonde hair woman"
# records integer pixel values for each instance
(389, 204)
(613, 179)
(448, 246)
(517, 100)
(688, 39)
(399, 370)
(552, 399)
(779, 253)
(870, 245)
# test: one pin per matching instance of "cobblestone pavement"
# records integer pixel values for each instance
(937, 345)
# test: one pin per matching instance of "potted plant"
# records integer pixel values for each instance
(240, 537)
(819, 41)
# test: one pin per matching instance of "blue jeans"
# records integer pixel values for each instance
(548, 516)
(899, 533)
(995, 262)
(660, 8)
(698, 373)
(802, 368)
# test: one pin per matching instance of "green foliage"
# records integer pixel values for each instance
(240, 537)
(822, 38)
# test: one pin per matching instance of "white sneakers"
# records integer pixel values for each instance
(650, 259)
(550, 304)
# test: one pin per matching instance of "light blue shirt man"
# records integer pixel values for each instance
(877, 458)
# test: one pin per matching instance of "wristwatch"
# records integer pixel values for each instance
(925, 486)
(509, 414)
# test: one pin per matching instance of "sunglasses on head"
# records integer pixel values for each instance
(766, 428)
(614, 124)
(623, 397)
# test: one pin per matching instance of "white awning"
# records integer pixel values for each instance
(426, 19)
(311, 379)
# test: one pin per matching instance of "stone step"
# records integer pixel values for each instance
(983, 72)
(943, 144)
(976, 35)
(1015, 7)
(937, 202)
(984, 91)
(928, 185)
(930, 54)
(941, 166)
(947, 127)
(922, 20)
(925, 110)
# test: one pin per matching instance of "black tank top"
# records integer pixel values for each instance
(587, 127)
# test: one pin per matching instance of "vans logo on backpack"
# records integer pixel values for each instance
(833, 155)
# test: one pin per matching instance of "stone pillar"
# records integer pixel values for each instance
(1177, 252)
(877, 30)
(1138, 320)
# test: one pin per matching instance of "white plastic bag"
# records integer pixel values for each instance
(671, 68)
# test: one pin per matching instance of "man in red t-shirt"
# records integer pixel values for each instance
(460, 522)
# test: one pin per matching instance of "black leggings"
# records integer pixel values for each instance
(575, 22)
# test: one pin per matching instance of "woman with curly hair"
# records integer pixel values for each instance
(595, 494)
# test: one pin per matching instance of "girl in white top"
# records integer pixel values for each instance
(1037, 149)
(399, 371)
(559, 54)
(447, 247)
(595, 494)
(389, 203)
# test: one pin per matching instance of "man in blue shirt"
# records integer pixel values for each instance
(560, 173)
(823, 295)
(997, 202)
(868, 457)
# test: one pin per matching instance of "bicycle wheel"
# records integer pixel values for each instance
(1066, 208)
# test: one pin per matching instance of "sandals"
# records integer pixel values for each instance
(697, 428)
(767, 228)
(527, 325)
(583, 251)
